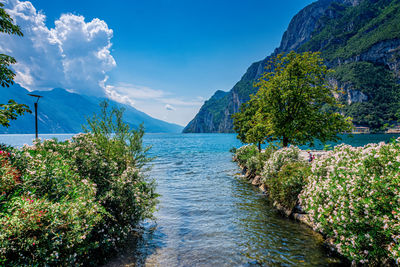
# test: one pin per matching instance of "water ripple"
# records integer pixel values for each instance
(208, 216)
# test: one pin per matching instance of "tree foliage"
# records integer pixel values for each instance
(250, 125)
(11, 110)
(295, 103)
(117, 138)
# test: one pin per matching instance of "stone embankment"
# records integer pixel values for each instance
(297, 214)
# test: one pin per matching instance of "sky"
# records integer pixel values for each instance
(163, 57)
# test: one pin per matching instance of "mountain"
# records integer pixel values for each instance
(60, 111)
(359, 39)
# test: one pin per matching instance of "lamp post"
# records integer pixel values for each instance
(36, 107)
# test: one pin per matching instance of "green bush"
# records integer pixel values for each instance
(285, 186)
(277, 160)
(253, 165)
(72, 203)
(256, 163)
(47, 215)
(244, 153)
(353, 197)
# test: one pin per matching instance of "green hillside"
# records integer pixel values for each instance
(360, 40)
(351, 32)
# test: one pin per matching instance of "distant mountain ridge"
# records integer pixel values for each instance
(60, 111)
(360, 39)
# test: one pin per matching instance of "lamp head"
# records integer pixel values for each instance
(38, 96)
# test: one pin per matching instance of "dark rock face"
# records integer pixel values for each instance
(215, 114)
(299, 31)
(303, 25)
(204, 122)
(384, 53)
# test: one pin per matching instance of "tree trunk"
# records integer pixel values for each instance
(285, 141)
(259, 146)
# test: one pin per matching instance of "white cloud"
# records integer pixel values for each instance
(155, 102)
(181, 102)
(130, 93)
(74, 55)
(169, 107)
(134, 91)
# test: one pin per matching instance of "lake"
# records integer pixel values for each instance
(209, 216)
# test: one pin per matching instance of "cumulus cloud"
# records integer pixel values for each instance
(169, 107)
(74, 55)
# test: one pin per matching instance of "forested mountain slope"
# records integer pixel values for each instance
(359, 39)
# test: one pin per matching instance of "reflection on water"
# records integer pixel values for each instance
(208, 216)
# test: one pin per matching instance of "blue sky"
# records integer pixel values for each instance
(164, 57)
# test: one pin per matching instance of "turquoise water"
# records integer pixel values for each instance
(208, 216)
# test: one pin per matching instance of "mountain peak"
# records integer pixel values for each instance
(63, 112)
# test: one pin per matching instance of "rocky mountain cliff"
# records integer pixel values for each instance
(360, 39)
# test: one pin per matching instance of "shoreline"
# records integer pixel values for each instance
(348, 195)
(297, 214)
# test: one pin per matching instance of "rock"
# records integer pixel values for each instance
(282, 209)
(304, 218)
(263, 188)
(256, 181)
(298, 209)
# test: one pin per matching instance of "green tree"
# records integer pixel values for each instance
(11, 110)
(296, 99)
(250, 125)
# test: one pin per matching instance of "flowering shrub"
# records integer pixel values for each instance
(256, 163)
(353, 196)
(284, 175)
(277, 160)
(244, 153)
(249, 157)
(253, 164)
(9, 175)
(282, 171)
(73, 202)
(46, 216)
(36, 230)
